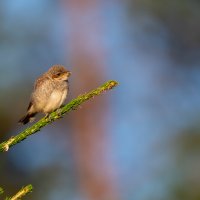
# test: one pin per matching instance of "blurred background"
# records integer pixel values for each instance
(141, 140)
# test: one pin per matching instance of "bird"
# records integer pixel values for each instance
(49, 93)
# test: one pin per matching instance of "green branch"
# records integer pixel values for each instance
(21, 193)
(1, 190)
(73, 105)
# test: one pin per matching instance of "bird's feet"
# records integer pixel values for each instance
(47, 117)
(59, 112)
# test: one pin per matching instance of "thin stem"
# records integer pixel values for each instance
(1, 190)
(72, 105)
(21, 193)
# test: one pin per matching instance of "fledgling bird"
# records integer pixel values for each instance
(50, 92)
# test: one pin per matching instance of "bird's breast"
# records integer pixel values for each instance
(55, 100)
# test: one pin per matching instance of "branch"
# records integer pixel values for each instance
(73, 105)
(21, 193)
(1, 190)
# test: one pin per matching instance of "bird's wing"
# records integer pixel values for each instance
(40, 81)
(30, 105)
(43, 88)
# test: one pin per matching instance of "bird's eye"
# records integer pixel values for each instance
(58, 74)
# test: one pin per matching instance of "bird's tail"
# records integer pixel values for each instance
(29, 117)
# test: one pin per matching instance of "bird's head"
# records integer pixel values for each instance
(58, 72)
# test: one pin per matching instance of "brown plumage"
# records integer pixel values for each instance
(50, 91)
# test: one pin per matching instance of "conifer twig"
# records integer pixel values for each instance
(25, 190)
(72, 105)
(1, 190)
